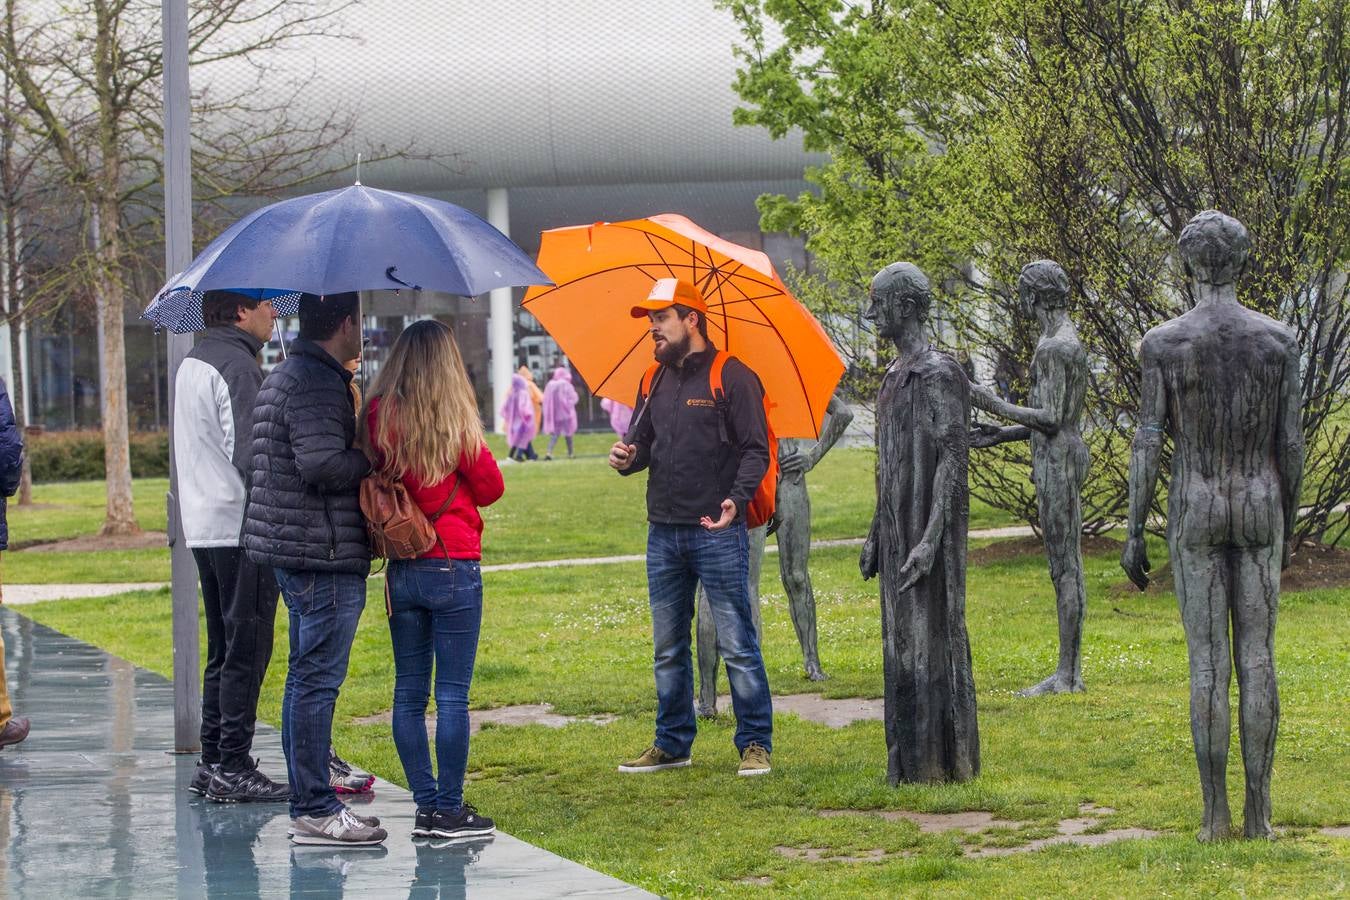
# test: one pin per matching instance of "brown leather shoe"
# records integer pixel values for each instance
(15, 730)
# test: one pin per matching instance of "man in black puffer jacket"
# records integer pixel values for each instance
(304, 520)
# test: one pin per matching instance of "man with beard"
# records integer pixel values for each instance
(707, 455)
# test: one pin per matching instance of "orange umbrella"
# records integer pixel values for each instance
(599, 271)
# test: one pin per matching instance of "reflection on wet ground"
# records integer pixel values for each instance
(93, 805)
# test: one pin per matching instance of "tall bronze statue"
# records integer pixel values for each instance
(1223, 382)
(792, 513)
(917, 542)
(1059, 456)
(792, 509)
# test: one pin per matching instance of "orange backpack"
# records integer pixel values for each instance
(762, 503)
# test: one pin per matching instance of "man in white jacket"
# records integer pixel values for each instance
(213, 423)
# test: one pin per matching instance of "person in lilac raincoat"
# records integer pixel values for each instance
(560, 410)
(620, 416)
(518, 416)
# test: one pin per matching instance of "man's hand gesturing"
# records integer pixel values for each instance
(621, 455)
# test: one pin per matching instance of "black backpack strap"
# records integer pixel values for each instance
(719, 395)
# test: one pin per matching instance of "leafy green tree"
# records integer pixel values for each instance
(973, 136)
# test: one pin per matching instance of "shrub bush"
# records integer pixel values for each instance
(78, 455)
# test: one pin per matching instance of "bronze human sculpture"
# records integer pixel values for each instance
(792, 509)
(1223, 382)
(1059, 456)
(917, 542)
(792, 512)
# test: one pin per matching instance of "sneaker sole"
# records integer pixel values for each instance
(674, 765)
(461, 834)
(749, 772)
(247, 799)
(344, 789)
(310, 840)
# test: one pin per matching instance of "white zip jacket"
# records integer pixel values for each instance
(213, 426)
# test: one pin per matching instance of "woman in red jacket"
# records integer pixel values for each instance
(422, 427)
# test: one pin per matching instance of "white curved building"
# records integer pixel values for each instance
(532, 113)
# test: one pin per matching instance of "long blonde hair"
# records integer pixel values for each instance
(428, 416)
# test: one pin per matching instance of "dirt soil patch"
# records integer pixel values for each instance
(1070, 831)
(1338, 831)
(521, 714)
(142, 540)
(1314, 566)
(1016, 548)
(971, 822)
(836, 713)
(825, 854)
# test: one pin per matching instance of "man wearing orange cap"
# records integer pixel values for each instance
(706, 455)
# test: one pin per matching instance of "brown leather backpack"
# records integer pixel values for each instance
(396, 526)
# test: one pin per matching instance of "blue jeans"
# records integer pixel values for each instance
(678, 558)
(436, 616)
(324, 608)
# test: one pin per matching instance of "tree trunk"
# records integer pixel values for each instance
(120, 517)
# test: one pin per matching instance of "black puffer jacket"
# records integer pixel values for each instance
(303, 509)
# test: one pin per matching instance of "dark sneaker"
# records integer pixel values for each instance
(343, 828)
(202, 777)
(464, 822)
(344, 779)
(654, 759)
(422, 822)
(15, 730)
(247, 786)
(754, 761)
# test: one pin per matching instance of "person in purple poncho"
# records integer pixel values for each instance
(518, 416)
(620, 416)
(560, 410)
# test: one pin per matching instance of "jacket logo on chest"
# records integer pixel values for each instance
(698, 401)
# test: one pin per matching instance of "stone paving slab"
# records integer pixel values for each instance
(92, 805)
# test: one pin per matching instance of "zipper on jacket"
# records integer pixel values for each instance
(332, 532)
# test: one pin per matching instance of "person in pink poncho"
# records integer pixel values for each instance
(620, 416)
(560, 410)
(518, 417)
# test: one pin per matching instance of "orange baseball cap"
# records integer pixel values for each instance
(668, 292)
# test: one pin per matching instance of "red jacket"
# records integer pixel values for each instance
(460, 526)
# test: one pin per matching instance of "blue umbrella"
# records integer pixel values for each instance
(359, 238)
(180, 309)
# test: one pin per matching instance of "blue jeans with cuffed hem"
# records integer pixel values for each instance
(678, 558)
(437, 610)
(324, 609)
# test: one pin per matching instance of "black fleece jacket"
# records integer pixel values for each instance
(303, 507)
(693, 469)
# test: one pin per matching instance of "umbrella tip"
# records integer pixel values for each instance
(358, 170)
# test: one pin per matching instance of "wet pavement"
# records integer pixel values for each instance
(93, 805)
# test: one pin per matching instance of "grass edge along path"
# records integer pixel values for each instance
(579, 639)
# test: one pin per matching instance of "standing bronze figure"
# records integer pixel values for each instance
(1059, 455)
(1223, 381)
(792, 513)
(917, 542)
(792, 505)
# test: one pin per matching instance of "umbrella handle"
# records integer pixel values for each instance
(389, 273)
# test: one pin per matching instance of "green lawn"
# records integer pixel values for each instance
(551, 510)
(579, 639)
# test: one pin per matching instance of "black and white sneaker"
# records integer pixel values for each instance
(202, 777)
(247, 786)
(463, 823)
